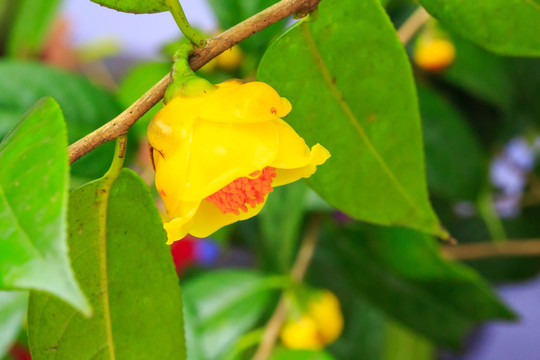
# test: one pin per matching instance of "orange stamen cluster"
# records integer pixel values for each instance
(244, 191)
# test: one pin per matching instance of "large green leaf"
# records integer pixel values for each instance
(362, 107)
(401, 272)
(456, 166)
(119, 254)
(12, 313)
(501, 26)
(31, 27)
(221, 306)
(135, 6)
(33, 196)
(85, 106)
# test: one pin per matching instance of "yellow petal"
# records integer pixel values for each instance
(219, 153)
(209, 218)
(293, 151)
(246, 103)
(317, 156)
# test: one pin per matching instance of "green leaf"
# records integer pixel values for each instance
(221, 306)
(12, 313)
(135, 84)
(280, 222)
(481, 73)
(135, 6)
(502, 26)
(456, 166)
(119, 254)
(33, 196)
(288, 354)
(31, 27)
(85, 106)
(361, 107)
(401, 272)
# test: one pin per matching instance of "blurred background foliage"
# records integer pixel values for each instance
(400, 294)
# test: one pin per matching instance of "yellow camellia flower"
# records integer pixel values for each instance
(320, 324)
(434, 54)
(217, 155)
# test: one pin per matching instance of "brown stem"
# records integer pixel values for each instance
(493, 249)
(121, 124)
(412, 25)
(305, 254)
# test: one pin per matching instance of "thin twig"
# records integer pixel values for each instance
(412, 25)
(298, 271)
(489, 249)
(121, 124)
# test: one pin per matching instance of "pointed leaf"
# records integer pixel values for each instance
(12, 313)
(120, 256)
(502, 26)
(352, 91)
(135, 6)
(33, 196)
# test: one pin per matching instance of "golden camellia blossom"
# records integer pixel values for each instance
(218, 155)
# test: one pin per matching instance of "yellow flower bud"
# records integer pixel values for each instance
(434, 54)
(302, 334)
(320, 325)
(218, 155)
(325, 311)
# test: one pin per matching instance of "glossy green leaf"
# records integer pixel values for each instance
(456, 167)
(361, 107)
(501, 26)
(120, 257)
(221, 306)
(280, 222)
(135, 84)
(31, 27)
(135, 6)
(481, 74)
(401, 272)
(13, 306)
(288, 354)
(85, 106)
(33, 195)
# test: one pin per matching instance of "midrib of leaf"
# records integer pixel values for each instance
(102, 196)
(325, 73)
